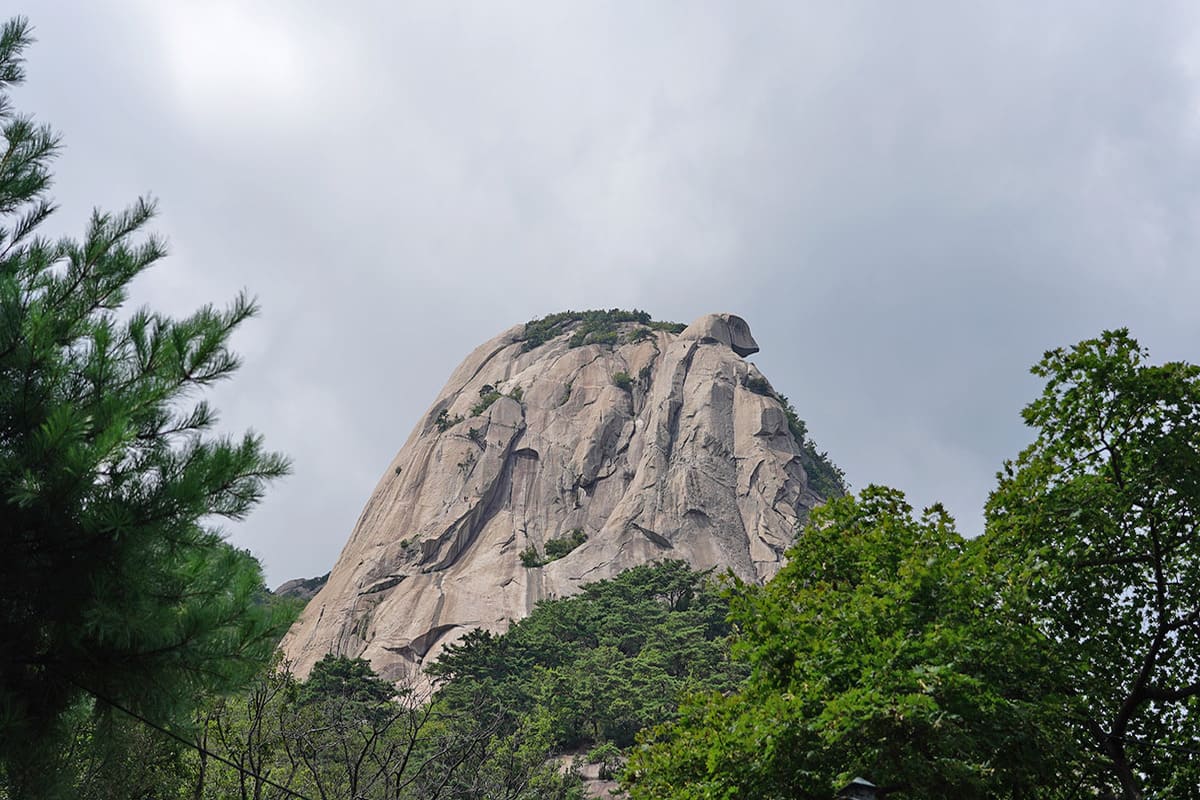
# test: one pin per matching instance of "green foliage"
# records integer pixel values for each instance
(1055, 657)
(558, 547)
(583, 336)
(114, 577)
(346, 734)
(873, 652)
(350, 679)
(566, 395)
(444, 421)
(598, 666)
(592, 327)
(669, 327)
(1093, 528)
(485, 402)
(638, 334)
(489, 394)
(609, 757)
(622, 381)
(530, 557)
(759, 385)
(555, 549)
(824, 477)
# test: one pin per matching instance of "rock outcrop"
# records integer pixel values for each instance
(301, 588)
(539, 468)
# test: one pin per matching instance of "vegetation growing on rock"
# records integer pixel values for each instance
(824, 477)
(445, 422)
(592, 327)
(485, 402)
(489, 395)
(560, 546)
(555, 549)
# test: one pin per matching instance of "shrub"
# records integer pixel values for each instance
(591, 327)
(669, 327)
(531, 558)
(610, 759)
(638, 334)
(824, 477)
(444, 421)
(485, 402)
(758, 385)
(622, 381)
(557, 548)
(467, 464)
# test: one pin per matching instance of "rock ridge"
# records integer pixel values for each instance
(651, 442)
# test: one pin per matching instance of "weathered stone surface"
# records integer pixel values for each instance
(687, 463)
(727, 329)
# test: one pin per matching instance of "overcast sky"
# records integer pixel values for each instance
(909, 203)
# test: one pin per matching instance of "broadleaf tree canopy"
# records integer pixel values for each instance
(1095, 527)
(875, 651)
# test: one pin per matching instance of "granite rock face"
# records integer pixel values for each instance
(652, 448)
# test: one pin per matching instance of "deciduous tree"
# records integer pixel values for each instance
(1094, 526)
(876, 651)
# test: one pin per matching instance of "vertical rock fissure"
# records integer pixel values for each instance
(675, 404)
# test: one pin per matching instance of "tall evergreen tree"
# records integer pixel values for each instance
(113, 581)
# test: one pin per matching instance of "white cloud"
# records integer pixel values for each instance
(907, 202)
(227, 62)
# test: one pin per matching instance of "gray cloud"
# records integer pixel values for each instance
(908, 203)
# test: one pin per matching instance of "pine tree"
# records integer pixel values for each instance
(114, 582)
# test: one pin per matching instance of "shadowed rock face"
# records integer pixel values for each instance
(685, 463)
(301, 588)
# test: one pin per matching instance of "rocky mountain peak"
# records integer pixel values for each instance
(561, 452)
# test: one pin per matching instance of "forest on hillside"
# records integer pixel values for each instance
(1056, 656)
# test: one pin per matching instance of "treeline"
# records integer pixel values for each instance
(598, 667)
(514, 717)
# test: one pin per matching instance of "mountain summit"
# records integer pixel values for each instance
(562, 452)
